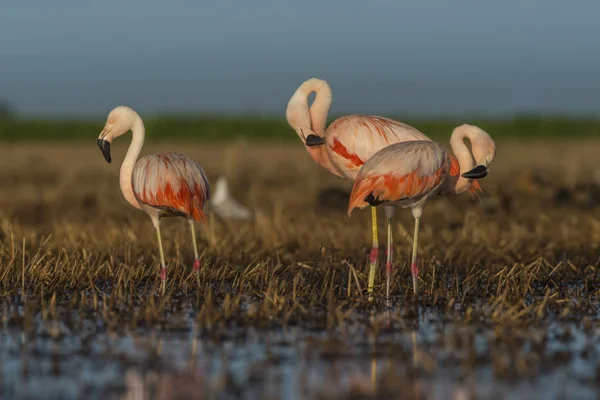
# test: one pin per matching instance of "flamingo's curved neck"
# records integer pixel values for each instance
(320, 108)
(126, 174)
(307, 121)
(465, 162)
(300, 116)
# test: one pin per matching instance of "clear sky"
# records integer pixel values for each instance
(397, 57)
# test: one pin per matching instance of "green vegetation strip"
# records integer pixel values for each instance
(216, 128)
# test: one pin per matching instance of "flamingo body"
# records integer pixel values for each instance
(171, 183)
(353, 139)
(349, 141)
(405, 174)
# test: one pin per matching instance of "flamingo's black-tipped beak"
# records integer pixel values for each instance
(314, 140)
(104, 146)
(478, 172)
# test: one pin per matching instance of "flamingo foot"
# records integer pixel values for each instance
(415, 276)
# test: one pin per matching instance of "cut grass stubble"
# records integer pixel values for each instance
(69, 240)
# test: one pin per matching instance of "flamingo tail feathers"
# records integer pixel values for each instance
(362, 188)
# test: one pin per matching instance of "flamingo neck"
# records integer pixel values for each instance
(126, 174)
(320, 107)
(321, 157)
(306, 121)
(459, 184)
(300, 116)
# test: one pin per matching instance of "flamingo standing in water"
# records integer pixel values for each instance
(410, 174)
(161, 184)
(347, 143)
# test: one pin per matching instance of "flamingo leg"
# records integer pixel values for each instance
(163, 271)
(413, 265)
(388, 263)
(196, 259)
(389, 213)
(374, 253)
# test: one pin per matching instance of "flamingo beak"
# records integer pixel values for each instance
(478, 172)
(313, 140)
(104, 146)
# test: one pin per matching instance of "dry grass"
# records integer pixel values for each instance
(528, 251)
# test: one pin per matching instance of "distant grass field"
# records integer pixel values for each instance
(216, 128)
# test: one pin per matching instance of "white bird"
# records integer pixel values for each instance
(224, 205)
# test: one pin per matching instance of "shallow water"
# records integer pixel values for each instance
(428, 356)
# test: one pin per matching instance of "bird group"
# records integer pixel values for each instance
(392, 164)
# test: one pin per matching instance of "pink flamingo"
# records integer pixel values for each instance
(347, 143)
(410, 174)
(161, 184)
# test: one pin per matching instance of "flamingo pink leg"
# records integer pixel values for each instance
(196, 259)
(389, 213)
(390, 255)
(413, 265)
(374, 253)
(163, 270)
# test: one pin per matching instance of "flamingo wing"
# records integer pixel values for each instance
(171, 181)
(353, 139)
(401, 171)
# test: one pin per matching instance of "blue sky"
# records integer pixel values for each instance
(429, 57)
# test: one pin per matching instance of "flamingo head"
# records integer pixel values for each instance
(119, 121)
(483, 148)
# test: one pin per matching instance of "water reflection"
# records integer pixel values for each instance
(376, 355)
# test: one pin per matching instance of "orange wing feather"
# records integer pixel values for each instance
(185, 200)
(391, 187)
(174, 185)
(454, 166)
(342, 151)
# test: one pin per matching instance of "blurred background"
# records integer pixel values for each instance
(436, 59)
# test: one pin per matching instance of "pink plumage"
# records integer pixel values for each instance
(405, 174)
(353, 139)
(350, 140)
(173, 183)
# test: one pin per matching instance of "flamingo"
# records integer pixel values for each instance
(347, 143)
(161, 184)
(410, 174)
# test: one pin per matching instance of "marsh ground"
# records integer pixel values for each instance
(508, 307)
